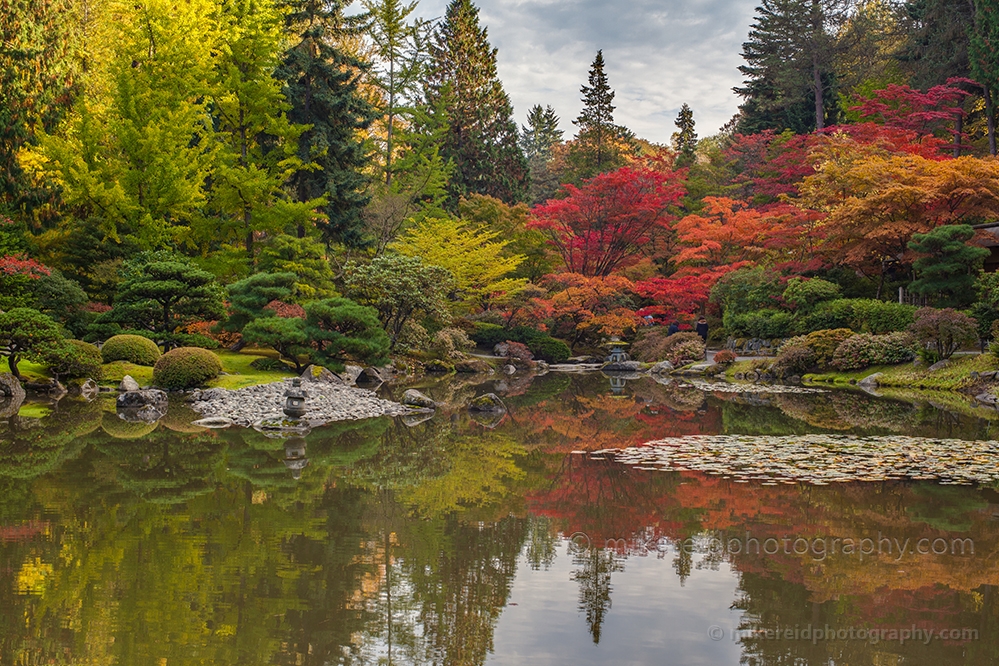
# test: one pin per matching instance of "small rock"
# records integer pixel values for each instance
(988, 376)
(136, 399)
(416, 418)
(416, 399)
(752, 376)
(662, 368)
(89, 389)
(317, 373)
(211, 394)
(193, 396)
(986, 398)
(939, 365)
(10, 387)
(351, 373)
(489, 402)
(501, 349)
(541, 367)
(472, 365)
(509, 369)
(437, 367)
(128, 384)
(370, 377)
(213, 422)
(870, 380)
(974, 375)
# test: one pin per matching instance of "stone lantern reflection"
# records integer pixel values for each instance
(294, 456)
(294, 404)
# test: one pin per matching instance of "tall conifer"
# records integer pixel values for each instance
(321, 83)
(685, 138)
(482, 137)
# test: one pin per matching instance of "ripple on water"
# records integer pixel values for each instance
(820, 459)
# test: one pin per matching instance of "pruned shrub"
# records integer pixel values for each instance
(944, 331)
(880, 317)
(549, 349)
(489, 335)
(451, 343)
(825, 343)
(864, 350)
(793, 359)
(75, 359)
(725, 357)
(132, 348)
(413, 338)
(804, 293)
(186, 367)
(678, 349)
(764, 324)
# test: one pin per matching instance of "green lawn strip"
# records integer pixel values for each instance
(115, 372)
(954, 377)
(28, 370)
(950, 401)
(34, 410)
(241, 375)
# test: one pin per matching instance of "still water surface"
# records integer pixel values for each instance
(453, 541)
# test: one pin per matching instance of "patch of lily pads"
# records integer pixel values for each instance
(819, 459)
(724, 387)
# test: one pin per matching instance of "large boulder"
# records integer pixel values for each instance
(621, 366)
(10, 387)
(414, 398)
(144, 414)
(128, 384)
(490, 402)
(350, 373)
(870, 381)
(939, 365)
(370, 376)
(317, 374)
(137, 399)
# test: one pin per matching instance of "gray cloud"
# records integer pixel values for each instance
(659, 55)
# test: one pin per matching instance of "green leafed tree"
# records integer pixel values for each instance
(482, 137)
(306, 258)
(249, 296)
(340, 330)
(257, 145)
(948, 268)
(26, 333)
(285, 335)
(161, 293)
(321, 83)
(400, 289)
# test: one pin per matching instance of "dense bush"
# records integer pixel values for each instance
(823, 344)
(725, 357)
(765, 324)
(451, 343)
(413, 337)
(132, 348)
(864, 350)
(826, 316)
(944, 331)
(518, 354)
(542, 345)
(549, 349)
(804, 294)
(186, 367)
(793, 359)
(75, 359)
(680, 348)
(863, 315)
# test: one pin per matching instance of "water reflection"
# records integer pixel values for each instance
(449, 542)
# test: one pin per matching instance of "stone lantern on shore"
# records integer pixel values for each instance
(294, 403)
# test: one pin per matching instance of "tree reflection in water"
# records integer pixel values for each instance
(403, 544)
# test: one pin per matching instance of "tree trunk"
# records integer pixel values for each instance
(391, 121)
(820, 112)
(990, 117)
(12, 362)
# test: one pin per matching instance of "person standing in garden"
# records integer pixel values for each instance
(702, 329)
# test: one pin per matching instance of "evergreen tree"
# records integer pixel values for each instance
(983, 52)
(789, 56)
(596, 150)
(947, 269)
(938, 34)
(685, 140)
(538, 139)
(541, 133)
(321, 82)
(482, 136)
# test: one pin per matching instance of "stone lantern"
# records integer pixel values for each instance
(294, 403)
(616, 350)
(294, 456)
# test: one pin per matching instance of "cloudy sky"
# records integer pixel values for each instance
(659, 54)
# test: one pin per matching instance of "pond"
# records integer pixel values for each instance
(513, 540)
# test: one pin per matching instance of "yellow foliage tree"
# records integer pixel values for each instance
(476, 259)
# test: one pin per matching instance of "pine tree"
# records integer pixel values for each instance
(482, 136)
(541, 133)
(789, 56)
(321, 82)
(596, 121)
(685, 140)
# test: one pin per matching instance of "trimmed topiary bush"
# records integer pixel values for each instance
(186, 367)
(824, 344)
(549, 349)
(764, 324)
(725, 357)
(132, 348)
(863, 351)
(793, 359)
(75, 359)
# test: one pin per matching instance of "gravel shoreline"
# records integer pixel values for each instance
(325, 402)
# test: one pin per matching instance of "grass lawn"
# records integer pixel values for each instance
(29, 371)
(240, 374)
(954, 377)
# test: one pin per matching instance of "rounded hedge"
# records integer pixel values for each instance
(186, 367)
(132, 348)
